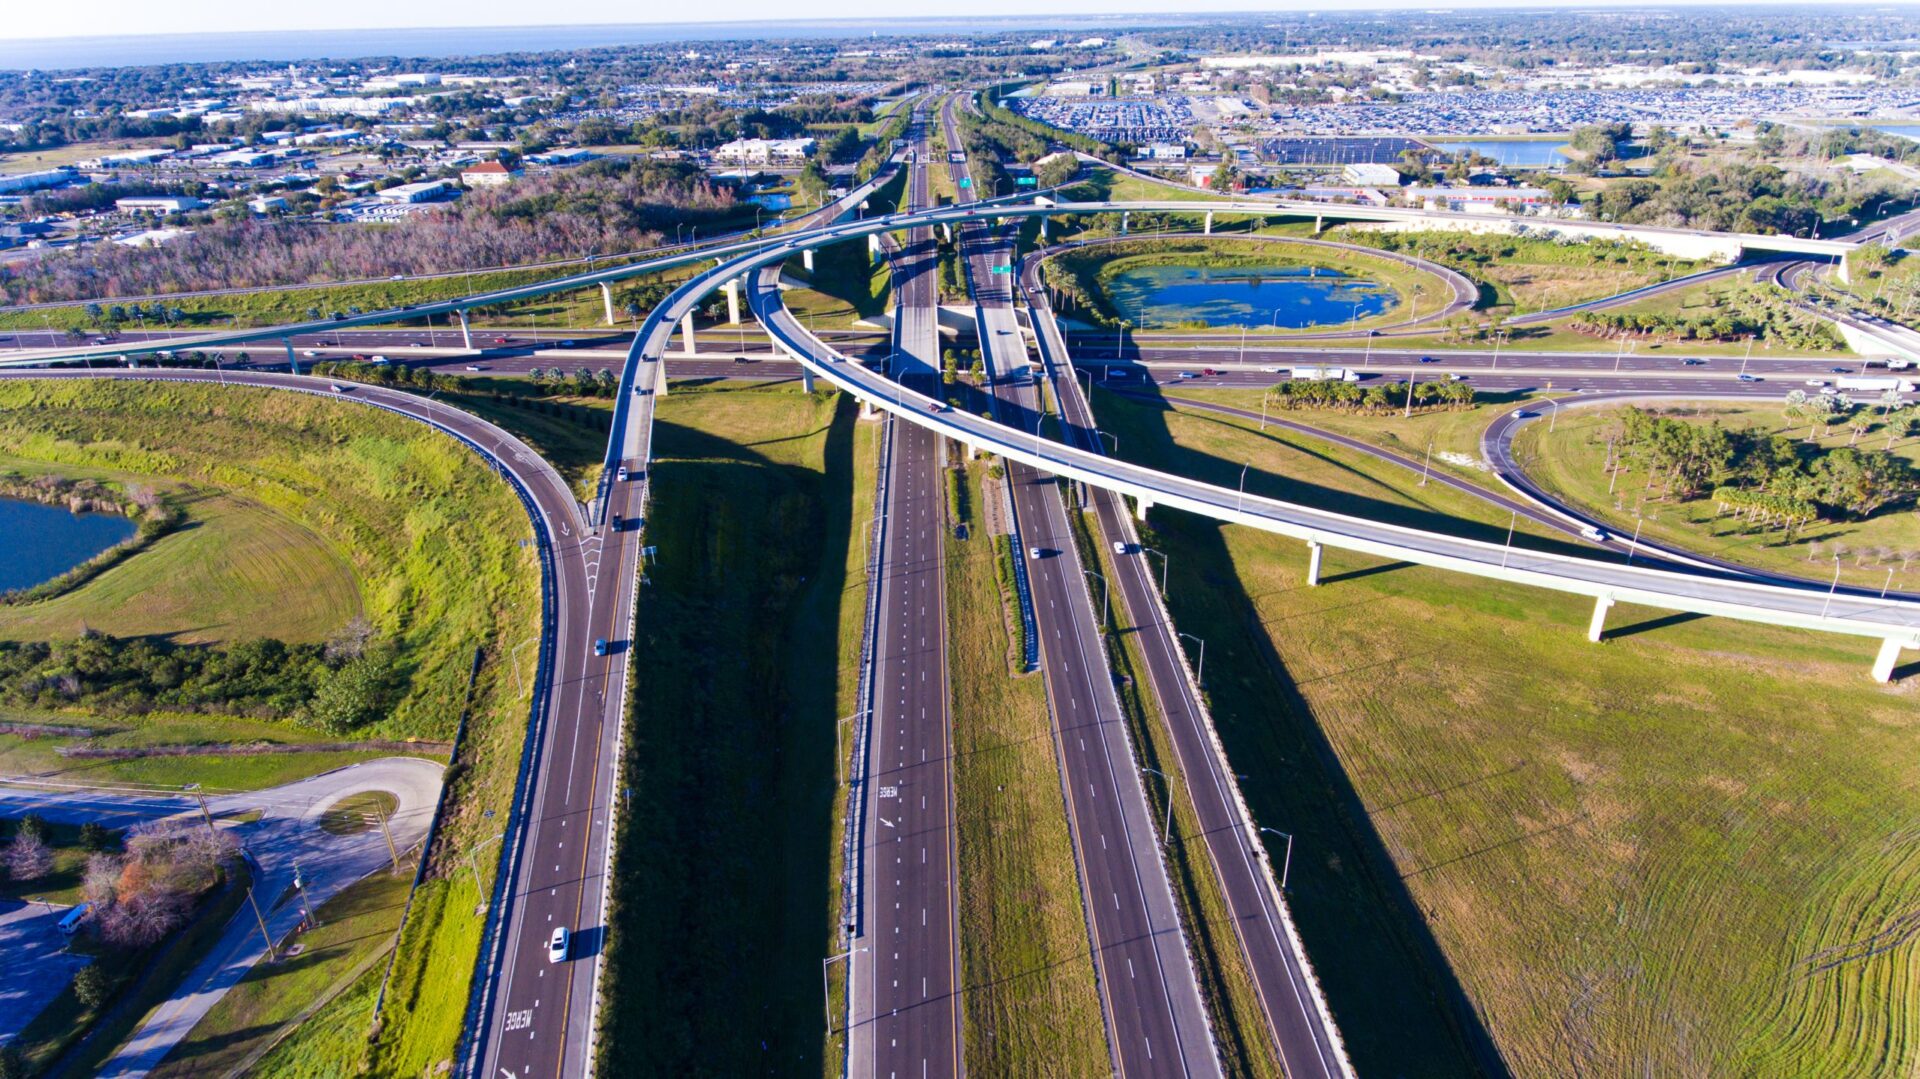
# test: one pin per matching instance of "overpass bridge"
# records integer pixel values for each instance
(1896, 623)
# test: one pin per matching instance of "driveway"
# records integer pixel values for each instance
(287, 832)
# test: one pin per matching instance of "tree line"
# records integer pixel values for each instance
(338, 687)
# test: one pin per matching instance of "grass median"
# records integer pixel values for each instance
(1031, 1005)
(723, 903)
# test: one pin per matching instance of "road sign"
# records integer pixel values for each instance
(1026, 181)
(1003, 269)
(966, 181)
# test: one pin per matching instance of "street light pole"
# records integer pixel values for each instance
(1164, 561)
(1240, 505)
(1166, 833)
(1106, 596)
(1200, 670)
(1287, 862)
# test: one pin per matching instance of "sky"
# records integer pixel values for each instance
(27, 19)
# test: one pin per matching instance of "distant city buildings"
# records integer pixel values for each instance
(764, 151)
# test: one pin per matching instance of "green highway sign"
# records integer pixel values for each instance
(966, 181)
(1025, 181)
(1003, 269)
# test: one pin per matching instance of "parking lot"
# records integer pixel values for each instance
(37, 968)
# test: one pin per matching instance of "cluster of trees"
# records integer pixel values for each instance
(140, 895)
(1759, 311)
(1768, 478)
(604, 206)
(338, 687)
(1355, 397)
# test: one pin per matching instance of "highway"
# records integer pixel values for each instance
(1156, 1020)
(1297, 1018)
(905, 1007)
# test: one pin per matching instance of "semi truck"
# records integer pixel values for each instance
(1874, 383)
(1325, 374)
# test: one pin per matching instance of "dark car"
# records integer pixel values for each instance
(1428, 359)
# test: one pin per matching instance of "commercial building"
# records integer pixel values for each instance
(765, 151)
(158, 205)
(35, 181)
(1476, 199)
(1367, 174)
(267, 204)
(424, 191)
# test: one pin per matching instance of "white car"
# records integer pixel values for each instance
(1597, 535)
(1119, 547)
(1817, 382)
(557, 946)
(1033, 553)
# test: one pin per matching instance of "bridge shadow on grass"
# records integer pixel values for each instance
(1397, 1000)
(721, 889)
(1648, 625)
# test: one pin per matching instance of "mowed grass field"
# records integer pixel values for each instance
(1879, 551)
(1031, 1006)
(228, 573)
(1685, 851)
(723, 900)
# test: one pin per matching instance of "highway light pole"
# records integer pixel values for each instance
(474, 867)
(1508, 549)
(1240, 504)
(1164, 561)
(826, 986)
(1286, 863)
(1106, 596)
(1200, 670)
(1166, 833)
(1828, 605)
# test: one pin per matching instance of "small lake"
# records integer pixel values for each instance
(772, 200)
(39, 543)
(1518, 154)
(1905, 131)
(1290, 297)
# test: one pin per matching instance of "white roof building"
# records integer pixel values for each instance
(1365, 174)
(764, 151)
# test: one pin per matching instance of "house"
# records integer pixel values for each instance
(267, 204)
(488, 174)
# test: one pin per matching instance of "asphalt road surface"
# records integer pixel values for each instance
(287, 834)
(1301, 1032)
(905, 1004)
(1156, 1021)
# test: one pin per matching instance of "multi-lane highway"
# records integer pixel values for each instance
(904, 1014)
(1156, 1020)
(1297, 1019)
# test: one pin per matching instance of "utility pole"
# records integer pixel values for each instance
(381, 816)
(272, 954)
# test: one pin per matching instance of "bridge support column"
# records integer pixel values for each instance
(947, 227)
(1125, 220)
(686, 333)
(873, 246)
(1140, 508)
(1313, 564)
(606, 299)
(1840, 270)
(1043, 228)
(1597, 628)
(293, 363)
(733, 301)
(1208, 228)
(1319, 224)
(806, 259)
(806, 378)
(466, 331)
(1883, 664)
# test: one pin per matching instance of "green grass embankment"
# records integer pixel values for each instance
(1680, 851)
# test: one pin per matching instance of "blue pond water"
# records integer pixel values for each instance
(1909, 131)
(39, 543)
(1286, 296)
(1524, 154)
(772, 200)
